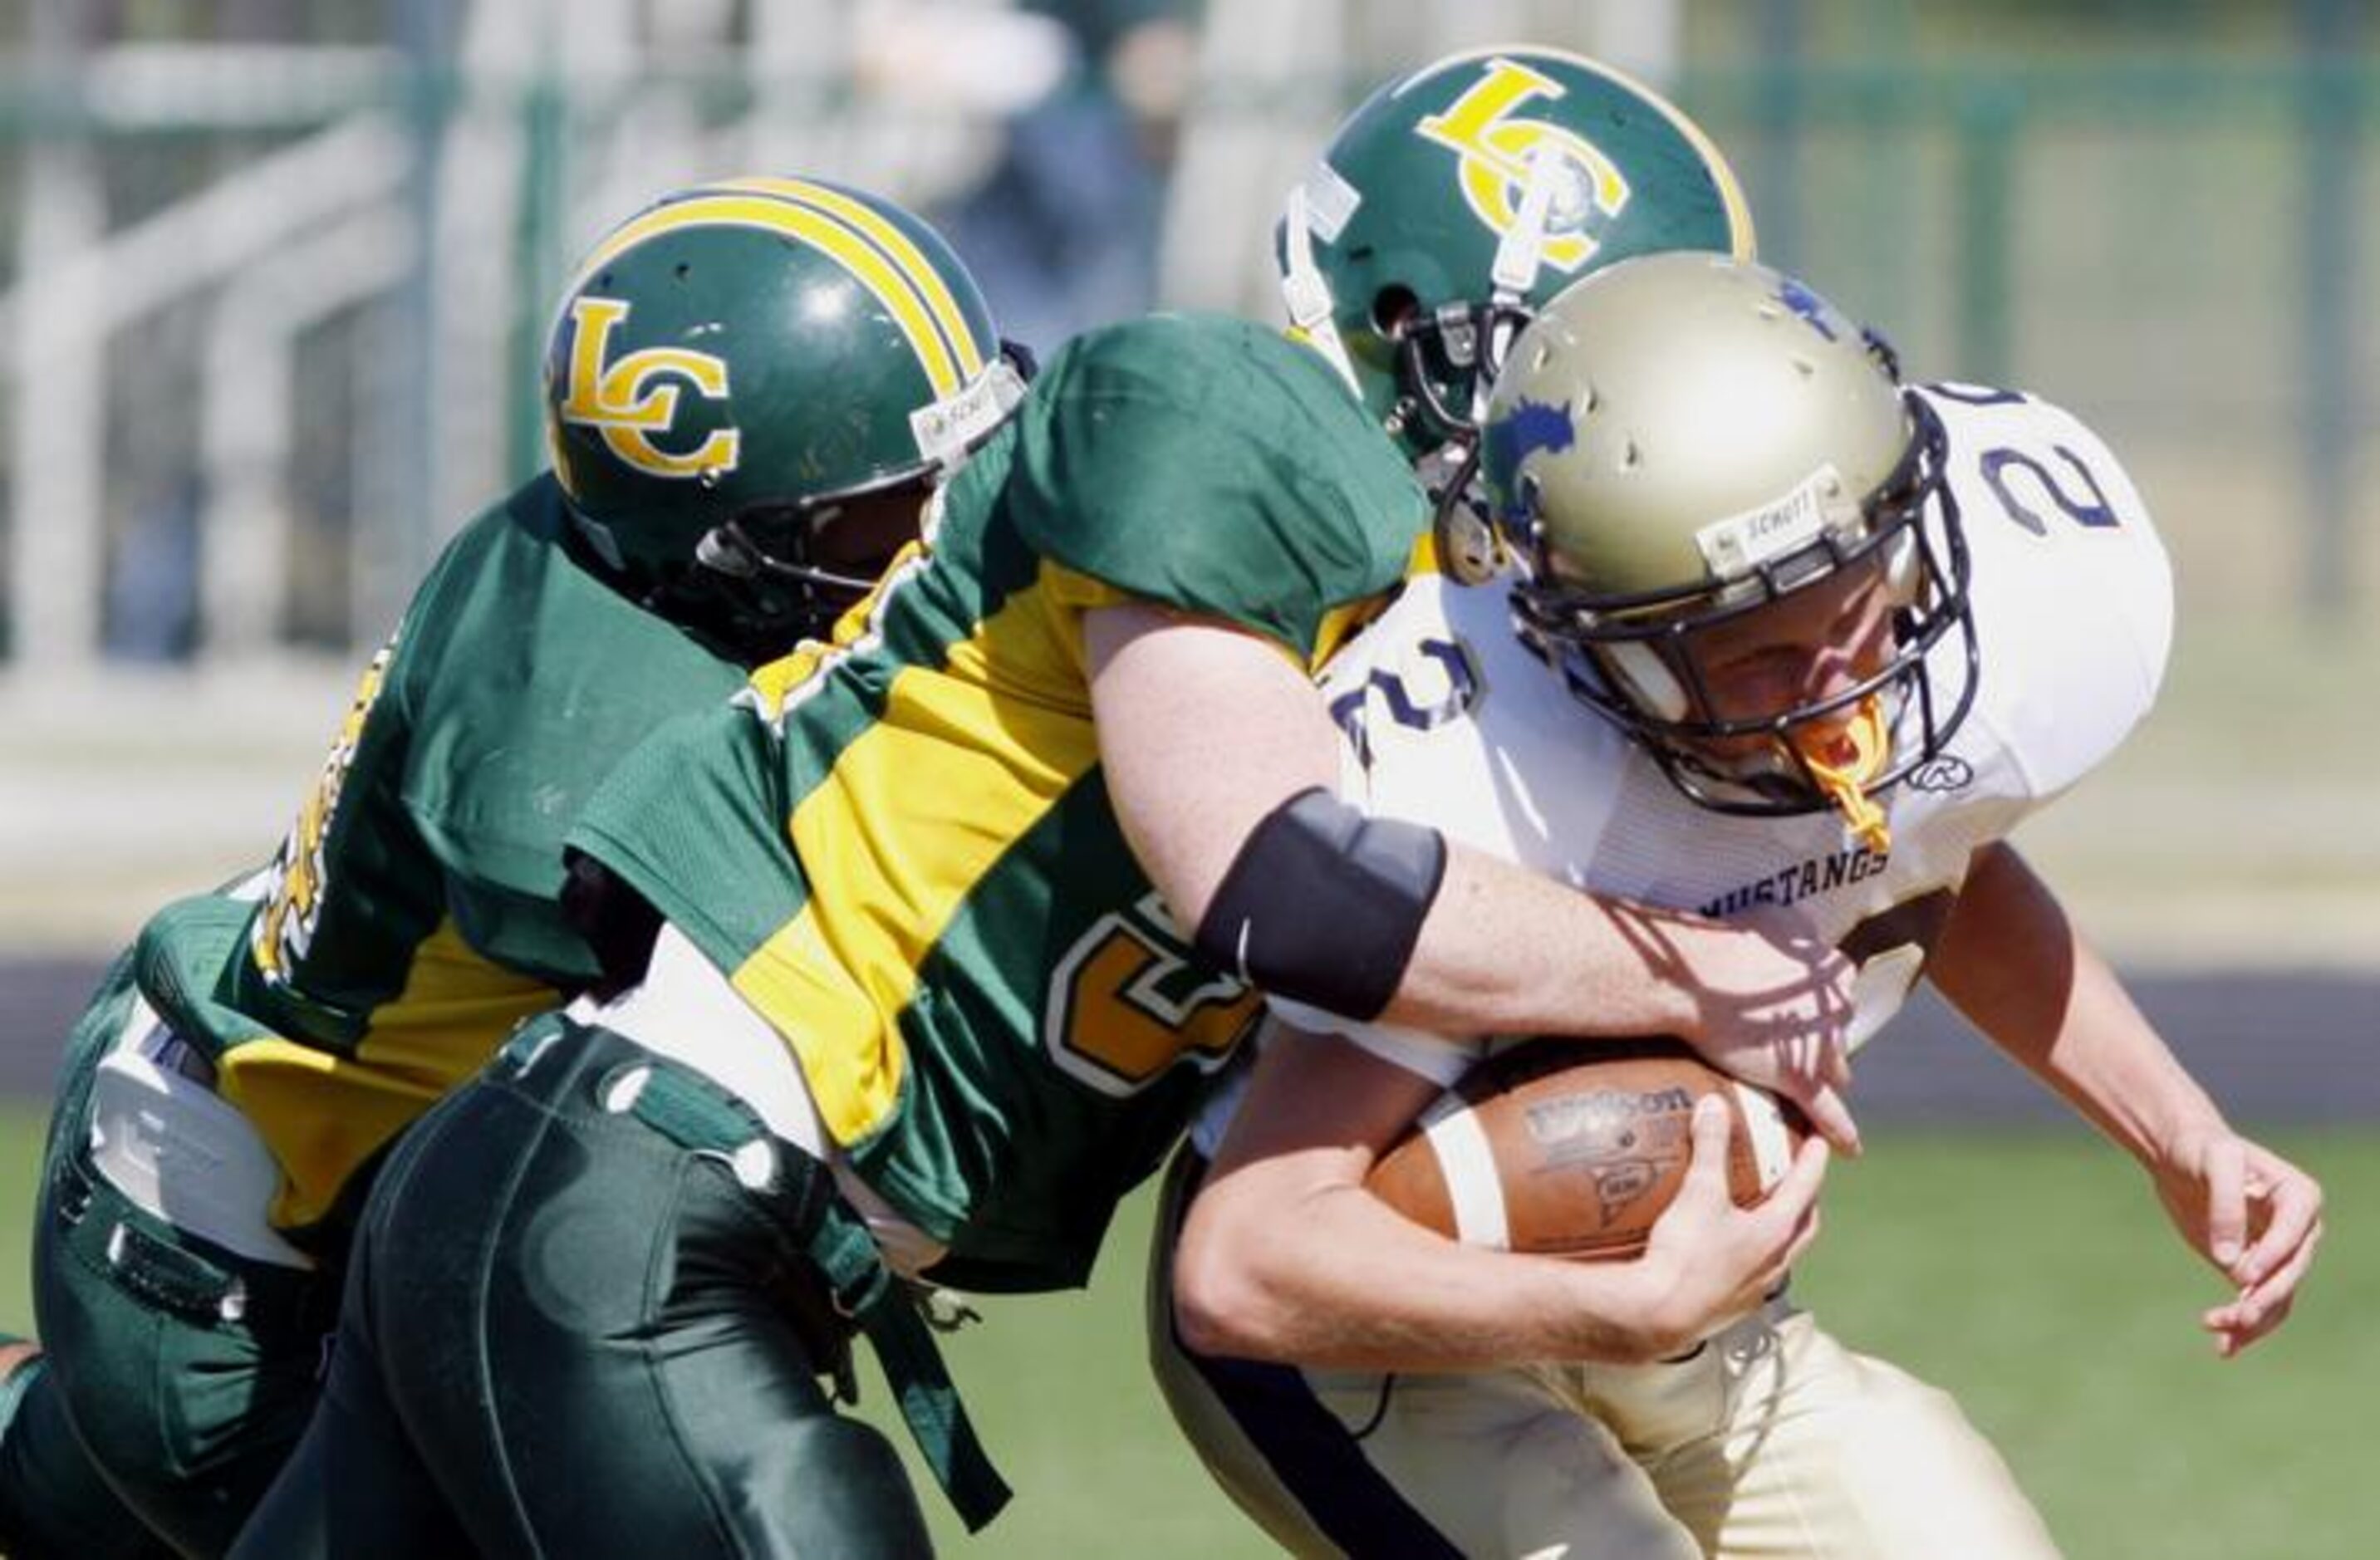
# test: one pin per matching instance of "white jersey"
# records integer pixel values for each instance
(1452, 722)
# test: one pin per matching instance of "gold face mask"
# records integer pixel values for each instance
(1845, 760)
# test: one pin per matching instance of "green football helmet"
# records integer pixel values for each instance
(1682, 441)
(742, 365)
(1460, 197)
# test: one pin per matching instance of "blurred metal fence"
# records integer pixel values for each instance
(269, 313)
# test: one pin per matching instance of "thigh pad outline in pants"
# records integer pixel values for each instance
(1479, 1464)
(1772, 1441)
(1356, 1463)
(1775, 1441)
(583, 1330)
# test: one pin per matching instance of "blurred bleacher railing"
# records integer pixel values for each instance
(270, 312)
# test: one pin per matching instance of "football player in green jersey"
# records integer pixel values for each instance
(923, 949)
(752, 388)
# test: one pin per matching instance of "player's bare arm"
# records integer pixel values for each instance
(1285, 1256)
(2012, 961)
(1206, 731)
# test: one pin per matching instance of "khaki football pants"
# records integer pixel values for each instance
(1771, 1441)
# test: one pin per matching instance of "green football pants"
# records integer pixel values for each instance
(176, 1377)
(53, 1502)
(54, 1506)
(569, 1333)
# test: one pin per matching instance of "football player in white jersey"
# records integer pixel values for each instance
(1786, 633)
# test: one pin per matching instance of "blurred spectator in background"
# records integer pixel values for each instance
(1063, 229)
(153, 579)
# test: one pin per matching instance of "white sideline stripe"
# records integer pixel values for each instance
(1472, 1185)
(1772, 1151)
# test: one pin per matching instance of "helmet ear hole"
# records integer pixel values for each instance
(1644, 678)
(1391, 305)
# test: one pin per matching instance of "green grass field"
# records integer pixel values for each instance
(2032, 1276)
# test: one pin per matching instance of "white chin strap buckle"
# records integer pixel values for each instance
(1304, 293)
(1520, 254)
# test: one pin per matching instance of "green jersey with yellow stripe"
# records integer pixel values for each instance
(900, 850)
(411, 919)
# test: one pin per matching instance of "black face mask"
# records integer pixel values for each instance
(752, 620)
(756, 586)
(1445, 358)
(1927, 685)
(751, 592)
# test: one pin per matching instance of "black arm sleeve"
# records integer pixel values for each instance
(1324, 904)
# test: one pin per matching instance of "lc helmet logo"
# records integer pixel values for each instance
(1498, 151)
(628, 401)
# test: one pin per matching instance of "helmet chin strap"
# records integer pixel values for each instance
(1520, 255)
(1305, 292)
(1469, 547)
(1845, 760)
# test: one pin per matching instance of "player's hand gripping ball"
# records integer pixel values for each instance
(1572, 1148)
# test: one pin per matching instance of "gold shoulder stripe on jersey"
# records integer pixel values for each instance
(324, 1115)
(834, 979)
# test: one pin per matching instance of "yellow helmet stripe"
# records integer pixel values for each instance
(862, 261)
(897, 245)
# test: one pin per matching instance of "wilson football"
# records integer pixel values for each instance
(1574, 1148)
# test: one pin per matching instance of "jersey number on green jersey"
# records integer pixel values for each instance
(1126, 1003)
(286, 925)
